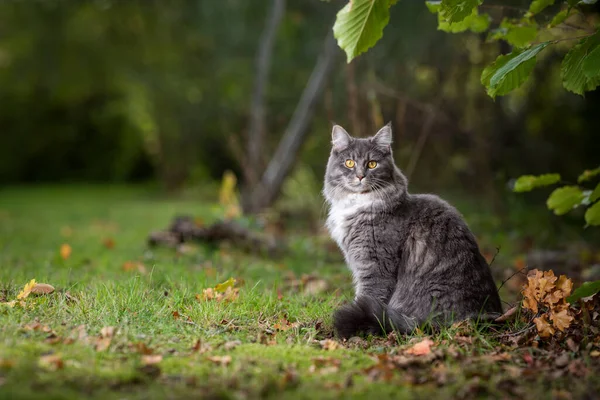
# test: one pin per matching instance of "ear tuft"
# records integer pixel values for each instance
(383, 138)
(340, 138)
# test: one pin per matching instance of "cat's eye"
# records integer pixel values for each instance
(372, 164)
(350, 163)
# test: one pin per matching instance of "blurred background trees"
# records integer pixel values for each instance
(103, 90)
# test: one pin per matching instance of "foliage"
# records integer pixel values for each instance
(586, 289)
(580, 69)
(568, 197)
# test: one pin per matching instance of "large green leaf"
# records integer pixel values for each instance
(586, 289)
(573, 77)
(564, 199)
(588, 174)
(359, 25)
(595, 195)
(591, 63)
(475, 22)
(454, 11)
(521, 36)
(527, 183)
(592, 214)
(510, 71)
(559, 18)
(538, 5)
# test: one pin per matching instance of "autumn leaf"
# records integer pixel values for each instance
(421, 348)
(222, 287)
(561, 320)
(51, 362)
(65, 251)
(564, 285)
(151, 359)
(221, 360)
(329, 344)
(135, 266)
(543, 326)
(109, 243)
(26, 290)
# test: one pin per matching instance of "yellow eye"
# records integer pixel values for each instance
(372, 164)
(350, 163)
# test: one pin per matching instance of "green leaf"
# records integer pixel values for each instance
(527, 183)
(359, 25)
(559, 18)
(521, 36)
(591, 63)
(454, 11)
(433, 6)
(588, 174)
(586, 289)
(592, 214)
(572, 3)
(595, 194)
(571, 70)
(514, 63)
(564, 199)
(510, 71)
(538, 5)
(475, 23)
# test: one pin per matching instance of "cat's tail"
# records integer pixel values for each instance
(367, 315)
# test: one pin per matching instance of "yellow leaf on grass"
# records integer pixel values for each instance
(222, 287)
(65, 251)
(26, 290)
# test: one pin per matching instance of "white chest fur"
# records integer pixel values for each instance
(341, 211)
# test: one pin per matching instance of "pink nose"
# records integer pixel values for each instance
(360, 177)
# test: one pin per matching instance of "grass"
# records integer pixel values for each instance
(274, 332)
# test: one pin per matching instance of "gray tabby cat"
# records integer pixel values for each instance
(412, 256)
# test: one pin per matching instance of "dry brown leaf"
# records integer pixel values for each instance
(176, 314)
(231, 344)
(421, 348)
(543, 326)
(109, 243)
(134, 266)
(564, 285)
(508, 314)
(107, 332)
(283, 325)
(221, 360)
(65, 251)
(102, 344)
(42, 288)
(51, 362)
(324, 365)
(151, 359)
(561, 320)
(329, 344)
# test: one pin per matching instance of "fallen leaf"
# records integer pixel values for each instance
(221, 360)
(107, 332)
(26, 290)
(134, 266)
(141, 348)
(329, 344)
(543, 326)
(222, 287)
(42, 288)
(283, 325)
(102, 344)
(51, 362)
(151, 359)
(561, 320)
(324, 365)
(65, 251)
(109, 243)
(564, 285)
(232, 344)
(562, 360)
(508, 315)
(421, 348)
(176, 314)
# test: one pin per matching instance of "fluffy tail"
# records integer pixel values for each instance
(367, 315)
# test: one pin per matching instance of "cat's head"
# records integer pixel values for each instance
(360, 165)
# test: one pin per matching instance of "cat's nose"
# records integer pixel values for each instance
(360, 177)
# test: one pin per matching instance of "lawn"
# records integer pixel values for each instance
(129, 321)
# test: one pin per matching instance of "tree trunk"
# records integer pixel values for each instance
(256, 131)
(266, 191)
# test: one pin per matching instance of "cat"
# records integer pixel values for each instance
(412, 256)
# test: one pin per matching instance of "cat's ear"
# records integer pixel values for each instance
(383, 138)
(340, 139)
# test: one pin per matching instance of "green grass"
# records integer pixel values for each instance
(266, 362)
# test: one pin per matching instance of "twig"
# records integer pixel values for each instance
(495, 255)
(510, 277)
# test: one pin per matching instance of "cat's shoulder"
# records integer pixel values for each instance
(433, 203)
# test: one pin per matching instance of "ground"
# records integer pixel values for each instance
(128, 321)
